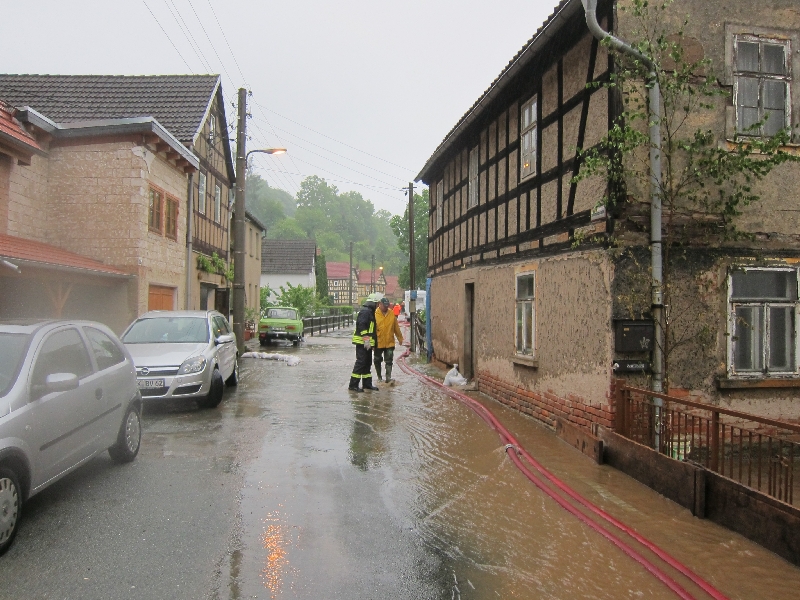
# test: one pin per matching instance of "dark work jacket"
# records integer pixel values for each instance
(365, 326)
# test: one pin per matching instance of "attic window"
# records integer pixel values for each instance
(212, 129)
(527, 165)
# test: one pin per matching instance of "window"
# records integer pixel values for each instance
(526, 314)
(171, 218)
(472, 185)
(439, 204)
(212, 129)
(217, 203)
(527, 165)
(201, 193)
(62, 352)
(106, 352)
(761, 85)
(154, 214)
(763, 314)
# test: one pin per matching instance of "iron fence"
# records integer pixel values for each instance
(326, 323)
(761, 453)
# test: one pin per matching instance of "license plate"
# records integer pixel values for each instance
(150, 383)
(276, 328)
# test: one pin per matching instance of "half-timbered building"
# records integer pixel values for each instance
(530, 293)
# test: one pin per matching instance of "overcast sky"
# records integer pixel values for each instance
(360, 92)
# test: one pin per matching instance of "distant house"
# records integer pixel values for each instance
(288, 261)
(340, 278)
(393, 290)
(254, 233)
(134, 173)
(370, 281)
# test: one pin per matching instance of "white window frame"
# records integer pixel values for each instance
(528, 139)
(201, 193)
(766, 304)
(217, 203)
(439, 204)
(472, 184)
(212, 128)
(739, 74)
(520, 303)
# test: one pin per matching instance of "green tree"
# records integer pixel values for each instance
(400, 227)
(288, 229)
(297, 296)
(269, 205)
(322, 279)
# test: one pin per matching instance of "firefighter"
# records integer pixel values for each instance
(364, 338)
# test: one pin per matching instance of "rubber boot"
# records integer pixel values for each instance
(378, 370)
(388, 373)
(353, 387)
(367, 381)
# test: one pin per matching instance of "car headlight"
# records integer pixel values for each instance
(192, 365)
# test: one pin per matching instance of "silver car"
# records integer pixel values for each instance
(67, 393)
(183, 354)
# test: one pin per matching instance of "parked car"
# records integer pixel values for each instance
(280, 323)
(67, 393)
(183, 354)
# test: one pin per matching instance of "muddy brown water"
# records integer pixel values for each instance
(407, 493)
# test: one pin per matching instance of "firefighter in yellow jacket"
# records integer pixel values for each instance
(388, 330)
(364, 338)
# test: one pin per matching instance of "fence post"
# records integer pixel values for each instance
(714, 440)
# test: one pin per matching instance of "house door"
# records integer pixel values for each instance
(161, 298)
(221, 302)
(468, 364)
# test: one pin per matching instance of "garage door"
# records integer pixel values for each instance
(161, 298)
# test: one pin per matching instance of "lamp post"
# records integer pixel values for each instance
(239, 220)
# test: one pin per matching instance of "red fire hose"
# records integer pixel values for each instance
(514, 451)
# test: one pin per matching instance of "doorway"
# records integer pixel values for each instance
(160, 298)
(468, 363)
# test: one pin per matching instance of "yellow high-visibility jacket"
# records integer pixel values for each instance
(388, 329)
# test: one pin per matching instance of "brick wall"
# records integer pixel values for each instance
(546, 405)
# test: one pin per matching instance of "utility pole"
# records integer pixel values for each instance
(350, 279)
(412, 301)
(239, 224)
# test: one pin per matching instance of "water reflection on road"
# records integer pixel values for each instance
(406, 493)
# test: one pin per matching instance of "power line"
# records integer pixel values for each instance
(222, 64)
(281, 168)
(332, 173)
(185, 33)
(333, 139)
(366, 185)
(222, 31)
(166, 35)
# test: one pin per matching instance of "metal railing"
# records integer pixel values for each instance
(761, 453)
(324, 324)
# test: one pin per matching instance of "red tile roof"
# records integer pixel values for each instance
(12, 131)
(44, 255)
(338, 270)
(365, 278)
(392, 285)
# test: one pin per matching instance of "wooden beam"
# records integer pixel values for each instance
(58, 296)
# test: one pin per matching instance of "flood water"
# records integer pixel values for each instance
(407, 493)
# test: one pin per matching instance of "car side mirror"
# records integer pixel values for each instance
(60, 382)
(225, 338)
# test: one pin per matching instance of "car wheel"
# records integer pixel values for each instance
(10, 507)
(234, 378)
(214, 393)
(130, 437)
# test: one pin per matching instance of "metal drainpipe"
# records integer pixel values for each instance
(189, 234)
(654, 95)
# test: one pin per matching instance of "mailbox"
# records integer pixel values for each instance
(633, 336)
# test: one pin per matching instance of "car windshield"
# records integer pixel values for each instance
(12, 351)
(168, 330)
(282, 313)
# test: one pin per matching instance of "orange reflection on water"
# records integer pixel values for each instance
(275, 542)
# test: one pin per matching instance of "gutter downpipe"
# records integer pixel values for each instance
(189, 234)
(654, 96)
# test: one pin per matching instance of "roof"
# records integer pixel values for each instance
(13, 134)
(366, 276)
(251, 217)
(287, 256)
(22, 252)
(338, 270)
(392, 284)
(178, 102)
(565, 10)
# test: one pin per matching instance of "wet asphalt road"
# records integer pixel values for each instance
(296, 489)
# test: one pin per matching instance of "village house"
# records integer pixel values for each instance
(340, 280)
(534, 286)
(135, 174)
(369, 282)
(393, 290)
(288, 262)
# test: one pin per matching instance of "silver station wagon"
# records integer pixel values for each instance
(67, 393)
(183, 354)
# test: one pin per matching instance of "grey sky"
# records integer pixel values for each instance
(387, 78)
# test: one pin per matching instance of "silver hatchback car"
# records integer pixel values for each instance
(183, 354)
(67, 392)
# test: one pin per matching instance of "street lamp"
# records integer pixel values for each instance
(265, 151)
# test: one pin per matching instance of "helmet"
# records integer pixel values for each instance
(372, 300)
